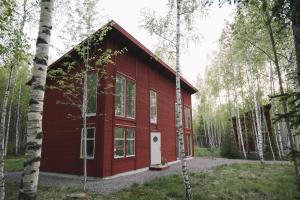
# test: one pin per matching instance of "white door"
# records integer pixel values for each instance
(155, 148)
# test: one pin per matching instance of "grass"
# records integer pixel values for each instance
(207, 152)
(237, 181)
(13, 163)
(49, 193)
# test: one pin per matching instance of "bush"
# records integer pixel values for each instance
(228, 148)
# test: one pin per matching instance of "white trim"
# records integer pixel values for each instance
(72, 176)
(155, 93)
(88, 157)
(127, 173)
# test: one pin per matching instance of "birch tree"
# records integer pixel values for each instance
(29, 181)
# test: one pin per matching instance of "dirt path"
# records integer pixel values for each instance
(107, 186)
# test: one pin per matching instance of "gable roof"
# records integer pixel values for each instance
(127, 38)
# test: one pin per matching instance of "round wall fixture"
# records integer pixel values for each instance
(155, 138)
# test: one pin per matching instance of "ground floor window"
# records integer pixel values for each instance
(124, 142)
(90, 143)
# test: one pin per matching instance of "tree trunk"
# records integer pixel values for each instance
(186, 180)
(84, 105)
(269, 137)
(2, 133)
(295, 11)
(29, 181)
(18, 122)
(284, 102)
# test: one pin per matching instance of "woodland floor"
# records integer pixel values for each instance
(210, 180)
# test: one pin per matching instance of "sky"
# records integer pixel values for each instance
(197, 56)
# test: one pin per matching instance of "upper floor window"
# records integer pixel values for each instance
(125, 97)
(90, 143)
(92, 81)
(153, 107)
(187, 117)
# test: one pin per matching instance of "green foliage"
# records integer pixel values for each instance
(12, 164)
(228, 147)
(207, 152)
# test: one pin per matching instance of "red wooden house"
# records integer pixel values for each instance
(131, 130)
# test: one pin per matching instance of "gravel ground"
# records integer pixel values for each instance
(107, 186)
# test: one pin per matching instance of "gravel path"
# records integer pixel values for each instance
(107, 186)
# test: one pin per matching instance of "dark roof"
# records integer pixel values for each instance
(129, 39)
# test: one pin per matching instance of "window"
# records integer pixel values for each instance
(92, 81)
(187, 117)
(90, 143)
(153, 107)
(120, 97)
(125, 97)
(130, 99)
(124, 145)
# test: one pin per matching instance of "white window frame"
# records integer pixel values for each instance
(124, 139)
(124, 95)
(120, 139)
(131, 139)
(187, 125)
(93, 114)
(153, 92)
(125, 99)
(82, 140)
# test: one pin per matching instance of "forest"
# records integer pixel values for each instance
(246, 109)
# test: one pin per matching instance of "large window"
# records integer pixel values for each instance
(125, 97)
(124, 145)
(187, 117)
(90, 143)
(153, 107)
(92, 81)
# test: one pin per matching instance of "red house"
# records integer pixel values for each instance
(131, 130)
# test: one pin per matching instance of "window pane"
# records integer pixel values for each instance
(90, 148)
(119, 96)
(119, 148)
(89, 143)
(130, 133)
(187, 116)
(130, 147)
(91, 92)
(153, 107)
(119, 142)
(119, 132)
(130, 99)
(90, 133)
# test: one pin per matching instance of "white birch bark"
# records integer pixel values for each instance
(258, 126)
(186, 180)
(18, 122)
(2, 133)
(84, 106)
(269, 137)
(7, 130)
(29, 181)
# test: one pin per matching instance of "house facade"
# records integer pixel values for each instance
(130, 128)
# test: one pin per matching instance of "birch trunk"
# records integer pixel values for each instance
(7, 130)
(18, 122)
(259, 131)
(284, 102)
(29, 181)
(269, 137)
(84, 104)
(240, 133)
(186, 180)
(295, 7)
(2, 133)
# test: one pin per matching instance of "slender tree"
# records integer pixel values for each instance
(29, 181)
